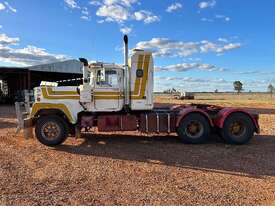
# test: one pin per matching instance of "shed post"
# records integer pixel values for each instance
(29, 80)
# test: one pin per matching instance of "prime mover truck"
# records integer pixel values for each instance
(120, 98)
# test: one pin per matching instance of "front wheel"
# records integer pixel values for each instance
(194, 129)
(238, 128)
(51, 130)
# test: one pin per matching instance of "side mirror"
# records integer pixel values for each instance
(139, 73)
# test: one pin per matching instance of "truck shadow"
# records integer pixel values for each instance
(255, 159)
(7, 124)
(7, 111)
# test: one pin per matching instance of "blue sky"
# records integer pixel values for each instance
(199, 45)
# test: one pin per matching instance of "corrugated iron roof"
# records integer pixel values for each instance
(70, 66)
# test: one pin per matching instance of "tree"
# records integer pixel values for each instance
(238, 86)
(270, 89)
(216, 91)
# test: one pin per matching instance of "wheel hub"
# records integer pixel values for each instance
(237, 128)
(50, 130)
(194, 129)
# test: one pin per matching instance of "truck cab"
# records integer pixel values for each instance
(104, 85)
(104, 89)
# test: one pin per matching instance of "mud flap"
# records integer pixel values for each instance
(28, 128)
(24, 122)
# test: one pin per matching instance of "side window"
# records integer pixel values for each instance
(107, 79)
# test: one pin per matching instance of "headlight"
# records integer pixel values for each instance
(37, 94)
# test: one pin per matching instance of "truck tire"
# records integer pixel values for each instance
(194, 129)
(238, 129)
(51, 130)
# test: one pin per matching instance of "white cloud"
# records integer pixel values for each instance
(72, 4)
(6, 6)
(126, 30)
(183, 67)
(228, 47)
(193, 84)
(95, 3)
(207, 19)
(225, 18)
(174, 7)
(164, 47)
(2, 7)
(87, 18)
(127, 3)
(113, 13)
(207, 4)
(1, 26)
(217, 16)
(223, 40)
(85, 14)
(122, 10)
(256, 72)
(10, 7)
(213, 47)
(191, 79)
(251, 72)
(85, 11)
(5, 40)
(145, 16)
(29, 55)
(100, 21)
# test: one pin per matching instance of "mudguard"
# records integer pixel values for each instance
(226, 112)
(185, 111)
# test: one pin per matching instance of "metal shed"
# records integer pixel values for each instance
(16, 79)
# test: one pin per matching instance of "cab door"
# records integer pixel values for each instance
(107, 92)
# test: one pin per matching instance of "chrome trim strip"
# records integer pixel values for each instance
(146, 122)
(121, 126)
(157, 123)
(169, 123)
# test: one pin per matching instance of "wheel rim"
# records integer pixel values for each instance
(50, 130)
(194, 129)
(237, 129)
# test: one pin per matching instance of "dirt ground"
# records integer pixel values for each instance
(115, 169)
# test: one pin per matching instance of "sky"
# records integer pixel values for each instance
(198, 45)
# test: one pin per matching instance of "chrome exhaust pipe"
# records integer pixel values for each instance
(85, 70)
(126, 78)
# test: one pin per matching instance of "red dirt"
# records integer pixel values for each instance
(130, 169)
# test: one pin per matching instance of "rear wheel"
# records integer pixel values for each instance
(194, 129)
(238, 128)
(51, 130)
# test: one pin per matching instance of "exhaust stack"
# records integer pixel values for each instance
(85, 70)
(126, 78)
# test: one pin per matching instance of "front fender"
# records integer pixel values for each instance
(47, 106)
